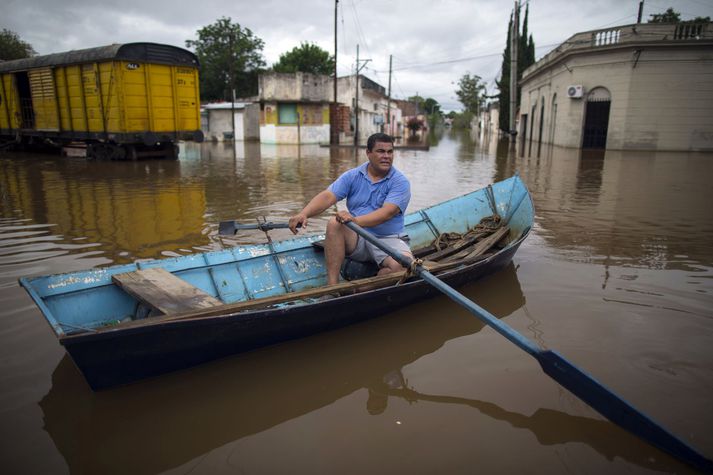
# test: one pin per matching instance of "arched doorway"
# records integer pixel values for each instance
(596, 120)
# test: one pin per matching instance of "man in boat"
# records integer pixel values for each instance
(377, 195)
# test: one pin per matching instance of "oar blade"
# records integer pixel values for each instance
(617, 410)
(227, 228)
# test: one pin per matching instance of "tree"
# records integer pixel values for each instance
(428, 105)
(672, 16)
(471, 93)
(307, 58)
(525, 58)
(418, 100)
(231, 58)
(12, 47)
(432, 106)
(463, 120)
(669, 16)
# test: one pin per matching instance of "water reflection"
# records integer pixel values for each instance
(183, 416)
(634, 208)
(639, 208)
(550, 427)
(136, 207)
(195, 411)
(622, 242)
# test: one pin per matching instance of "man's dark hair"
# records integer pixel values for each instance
(378, 137)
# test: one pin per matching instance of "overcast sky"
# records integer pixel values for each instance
(433, 42)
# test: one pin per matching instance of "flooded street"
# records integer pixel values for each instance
(617, 276)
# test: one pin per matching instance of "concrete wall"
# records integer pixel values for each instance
(251, 123)
(313, 127)
(661, 91)
(297, 87)
(289, 134)
(218, 123)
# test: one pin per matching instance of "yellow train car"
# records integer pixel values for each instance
(122, 100)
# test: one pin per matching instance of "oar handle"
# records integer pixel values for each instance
(228, 228)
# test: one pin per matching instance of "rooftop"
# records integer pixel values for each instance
(627, 36)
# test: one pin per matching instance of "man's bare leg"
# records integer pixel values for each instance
(389, 265)
(340, 241)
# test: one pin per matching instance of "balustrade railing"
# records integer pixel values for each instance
(606, 37)
(646, 33)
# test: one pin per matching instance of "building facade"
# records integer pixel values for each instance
(294, 108)
(633, 87)
(376, 112)
(217, 123)
(297, 108)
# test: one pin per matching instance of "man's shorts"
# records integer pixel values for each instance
(367, 252)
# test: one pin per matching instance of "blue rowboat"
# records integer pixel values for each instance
(128, 322)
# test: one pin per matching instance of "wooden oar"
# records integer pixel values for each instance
(582, 385)
(229, 228)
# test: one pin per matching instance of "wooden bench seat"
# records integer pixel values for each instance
(163, 292)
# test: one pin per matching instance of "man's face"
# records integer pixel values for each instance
(381, 157)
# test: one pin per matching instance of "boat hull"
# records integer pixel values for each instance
(257, 295)
(113, 358)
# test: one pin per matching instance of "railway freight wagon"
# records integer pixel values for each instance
(123, 101)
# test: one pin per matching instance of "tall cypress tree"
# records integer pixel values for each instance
(525, 58)
(504, 84)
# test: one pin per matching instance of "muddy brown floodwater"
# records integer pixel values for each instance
(617, 276)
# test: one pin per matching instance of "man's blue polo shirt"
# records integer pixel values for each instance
(363, 196)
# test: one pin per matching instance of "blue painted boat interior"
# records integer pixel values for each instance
(77, 301)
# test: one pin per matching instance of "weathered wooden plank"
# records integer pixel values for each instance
(164, 292)
(455, 247)
(480, 248)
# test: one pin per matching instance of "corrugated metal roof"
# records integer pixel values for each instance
(142, 52)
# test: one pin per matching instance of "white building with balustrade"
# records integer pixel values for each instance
(633, 87)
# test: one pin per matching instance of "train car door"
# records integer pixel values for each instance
(27, 112)
(44, 99)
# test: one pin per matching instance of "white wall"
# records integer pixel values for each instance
(219, 122)
(661, 100)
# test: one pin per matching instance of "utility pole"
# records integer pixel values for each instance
(232, 85)
(513, 70)
(356, 109)
(388, 101)
(641, 11)
(334, 126)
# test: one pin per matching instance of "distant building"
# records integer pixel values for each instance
(488, 120)
(632, 87)
(217, 124)
(294, 108)
(375, 109)
(412, 112)
(298, 108)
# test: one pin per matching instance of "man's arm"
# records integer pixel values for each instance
(318, 204)
(375, 218)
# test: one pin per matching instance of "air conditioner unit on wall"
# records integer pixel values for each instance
(574, 92)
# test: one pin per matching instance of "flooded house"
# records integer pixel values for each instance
(631, 87)
(298, 108)
(294, 108)
(218, 125)
(377, 112)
